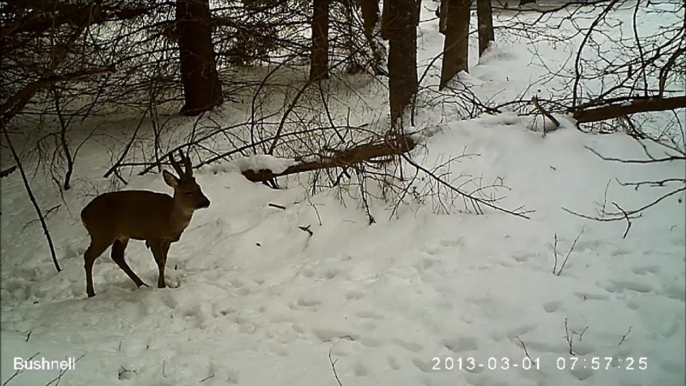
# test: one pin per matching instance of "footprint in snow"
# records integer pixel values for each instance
(582, 373)
(369, 315)
(675, 292)
(360, 369)
(411, 346)
(354, 294)
(308, 302)
(423, 365)
(645, 269)
(587, 296)
(520, 258)
(327, 335)
(512, 334)
(551, 306)
(461, 344)
(622, 285)
(393, 363)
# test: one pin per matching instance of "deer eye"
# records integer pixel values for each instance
(189, 193)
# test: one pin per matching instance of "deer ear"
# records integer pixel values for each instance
(170, 179)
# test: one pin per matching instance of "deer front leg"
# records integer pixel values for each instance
(160, 249)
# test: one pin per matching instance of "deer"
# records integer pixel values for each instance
(159, 219)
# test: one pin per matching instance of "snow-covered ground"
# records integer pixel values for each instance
(255, 300)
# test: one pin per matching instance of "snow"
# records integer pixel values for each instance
(264, 162)
(256, 300)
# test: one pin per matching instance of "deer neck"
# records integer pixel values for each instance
(181, 216)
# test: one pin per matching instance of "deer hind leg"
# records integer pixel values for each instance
(96, 248)
(160, 248)
(118, 256)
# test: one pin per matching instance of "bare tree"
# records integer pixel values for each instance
(402, 56)
(456, 44)
(319, 57)
(485, 19)
(372, 28)
(201, 86)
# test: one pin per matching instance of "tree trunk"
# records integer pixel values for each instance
(319, 56)
(385, 19)
(418, 15)
(402, 56)
(370, 16)
(201, 87)
(442, 16)
(456, 44)
(485, 17)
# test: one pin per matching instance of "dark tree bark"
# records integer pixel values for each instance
(485, 17)
(418, 15)
(370, 17)
(201, 87)
(638, 105)
(319, 57)
(442, 16)
(402, 56)
(385, 19)
(456, 44)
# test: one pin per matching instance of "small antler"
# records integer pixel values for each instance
(175, 165)
(187, 164)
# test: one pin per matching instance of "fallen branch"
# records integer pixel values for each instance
(397, 145)
(306, 228)
(546, 114)
(638, 105)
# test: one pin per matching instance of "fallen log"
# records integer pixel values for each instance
(393, 145)
(638, 105)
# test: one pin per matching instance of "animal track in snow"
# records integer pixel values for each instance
(393, 363)
(422, 365)
(369, 315)
(327, 335)
(645, 269)
(330, 273)
(360, 369)
(674, 291)
(581, 373)
(551, 306)
(411, 346)
(622, 285)
(308, 302)
(461, 344)
(520, 258)
(585, 296)
(521, 330)
(354, 294)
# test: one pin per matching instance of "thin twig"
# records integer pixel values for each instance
(36, 207)
(526, 352)
(333, 367)
(624, 336)
(555, 254)
(626, 216)
(570, 250)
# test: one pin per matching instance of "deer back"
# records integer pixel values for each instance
(146, 215)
